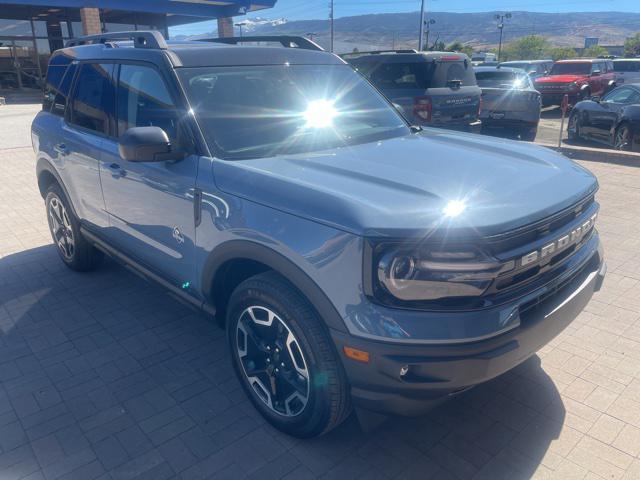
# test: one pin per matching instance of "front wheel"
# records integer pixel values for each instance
(284, 358)
(623, 138)
(573, 128)
(529, 134)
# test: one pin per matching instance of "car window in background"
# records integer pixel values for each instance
(502, 79)
(626, 65)
(93, 100)
(622, 95)
(144, 101)
(264, 111)
(393, 76)
(527, 67)
(571, 69)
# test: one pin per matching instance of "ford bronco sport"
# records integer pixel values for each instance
(579, 79)
(353, 260)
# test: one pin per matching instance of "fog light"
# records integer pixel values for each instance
(404, 370)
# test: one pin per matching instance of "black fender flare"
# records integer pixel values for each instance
(248, 250)
(43, 165)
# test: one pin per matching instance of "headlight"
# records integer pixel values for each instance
(428, 274)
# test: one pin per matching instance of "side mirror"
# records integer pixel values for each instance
(595, 98)
(147, 144)
(595, 73)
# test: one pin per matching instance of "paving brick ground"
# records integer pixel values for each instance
(104, 376)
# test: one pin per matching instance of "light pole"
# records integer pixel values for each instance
(241, 24)
(311, 35)
(421, 34)
(331, 21)
(428, 24)
(500, 17)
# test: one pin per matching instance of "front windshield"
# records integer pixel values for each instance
(571, 69)
(498, 79)
(263, 111)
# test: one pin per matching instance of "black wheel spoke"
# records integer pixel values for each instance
(273, 364)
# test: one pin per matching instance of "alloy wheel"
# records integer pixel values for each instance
(61, 228)
(272, 361)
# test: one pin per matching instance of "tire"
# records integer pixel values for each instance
(573, 127)
(73, 249)
(529, 134)
(623, 138)
(262, 311)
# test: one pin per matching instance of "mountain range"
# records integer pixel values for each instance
(400, 30)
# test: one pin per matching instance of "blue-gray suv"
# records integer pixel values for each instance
(354, 260)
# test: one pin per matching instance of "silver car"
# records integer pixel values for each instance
(509, 101)
(627, 70)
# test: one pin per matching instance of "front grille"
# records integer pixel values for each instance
(552, 87)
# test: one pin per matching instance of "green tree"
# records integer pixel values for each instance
(460, 47)
(531, 47)
(632, 46)
(561, 53)
(595, 51)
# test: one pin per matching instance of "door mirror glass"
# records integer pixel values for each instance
(147, 144)
(595, 73)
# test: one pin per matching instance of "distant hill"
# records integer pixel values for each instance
(477, 29)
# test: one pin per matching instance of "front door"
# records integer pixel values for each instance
(604, 118)
(150, 205)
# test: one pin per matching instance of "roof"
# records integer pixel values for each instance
(402, 55)
(626, 59)
(526, 61)
(582, 60)
(200, 54)
(498, 69)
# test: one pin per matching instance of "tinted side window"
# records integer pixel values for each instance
(388, 76)
(144, 101)
(56, 96)
(94, 97)
(55, 74)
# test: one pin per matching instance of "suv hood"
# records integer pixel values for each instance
(560, 78)
(403, 185)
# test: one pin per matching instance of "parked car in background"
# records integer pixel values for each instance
(435, 89)
(627, 70)
(613, 119)
(481, 57)
(509, 101)
(577, 78)
(535, 68)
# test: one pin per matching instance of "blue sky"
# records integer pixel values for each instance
(316, 9)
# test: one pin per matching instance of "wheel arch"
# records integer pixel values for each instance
(47, 175)
(236, 260)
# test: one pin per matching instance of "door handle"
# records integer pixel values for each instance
(61, 148)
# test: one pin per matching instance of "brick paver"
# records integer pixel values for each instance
(104, 376)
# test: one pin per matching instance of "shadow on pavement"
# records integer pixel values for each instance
(105, 357)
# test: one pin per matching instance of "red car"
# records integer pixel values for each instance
(580, 79)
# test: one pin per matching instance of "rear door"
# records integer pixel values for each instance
(89, 118)
(151, 204)
(627, 71)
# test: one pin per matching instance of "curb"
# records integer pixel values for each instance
(600, 155)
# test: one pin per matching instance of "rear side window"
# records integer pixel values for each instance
(417, 75)
(144, 101)
(57, 88)
(92, 105)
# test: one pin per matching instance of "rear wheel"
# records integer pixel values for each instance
(74, 250)
(623, 139)
(284, 358)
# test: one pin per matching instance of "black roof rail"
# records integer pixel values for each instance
(376, 52)
(141, 39)
(287, 41)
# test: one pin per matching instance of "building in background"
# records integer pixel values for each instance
(31, 29)
(591, 42)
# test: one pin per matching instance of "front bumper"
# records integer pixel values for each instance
(438, 371)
